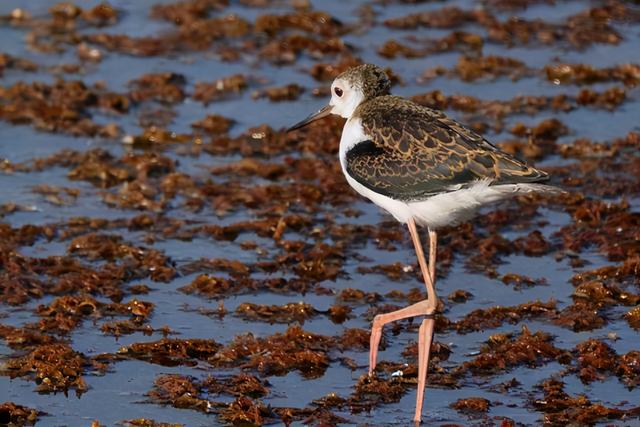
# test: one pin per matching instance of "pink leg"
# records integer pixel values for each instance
(425, 336)
(433, 246)
(422, 308)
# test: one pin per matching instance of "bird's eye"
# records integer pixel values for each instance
(338, 91)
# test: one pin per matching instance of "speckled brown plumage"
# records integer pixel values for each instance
(369, 78)
(415, 152)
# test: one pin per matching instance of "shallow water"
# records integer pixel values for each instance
(120, 394)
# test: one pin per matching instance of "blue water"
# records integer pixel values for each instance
(120, 393)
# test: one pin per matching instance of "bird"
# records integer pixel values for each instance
(426, 170)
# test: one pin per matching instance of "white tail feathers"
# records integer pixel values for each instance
(461, 205)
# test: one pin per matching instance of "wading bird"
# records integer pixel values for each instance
(424, 169)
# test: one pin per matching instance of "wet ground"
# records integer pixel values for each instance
(168, 253)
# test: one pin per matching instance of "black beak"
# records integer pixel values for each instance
(323, 112)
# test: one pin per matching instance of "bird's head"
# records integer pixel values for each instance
(350, 89)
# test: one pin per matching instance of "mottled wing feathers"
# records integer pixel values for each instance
(415, 152)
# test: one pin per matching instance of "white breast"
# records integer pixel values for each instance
(352, 134)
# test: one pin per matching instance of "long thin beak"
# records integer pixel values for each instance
(323, 112)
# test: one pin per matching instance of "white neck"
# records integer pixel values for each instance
(352, 134)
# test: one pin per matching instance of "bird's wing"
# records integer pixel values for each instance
(414, 152)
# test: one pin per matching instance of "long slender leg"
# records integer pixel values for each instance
(433, 247)
(425, 336)
(423, 308)
(426, 269)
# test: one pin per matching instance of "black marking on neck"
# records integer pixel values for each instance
(363, 148)
(365, 151)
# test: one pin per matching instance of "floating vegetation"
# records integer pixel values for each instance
(156, 218)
